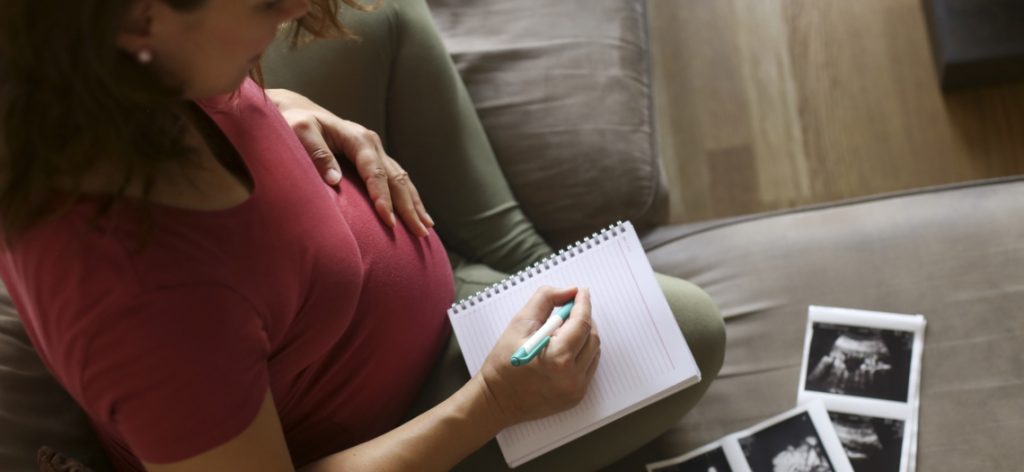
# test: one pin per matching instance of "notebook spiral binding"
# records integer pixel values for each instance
(540, 266)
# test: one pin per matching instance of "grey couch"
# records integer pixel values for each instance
(954, 254)
(563, 84)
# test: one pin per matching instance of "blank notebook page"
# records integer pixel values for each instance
(643, 354)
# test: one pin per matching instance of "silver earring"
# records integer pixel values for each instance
(144, 56)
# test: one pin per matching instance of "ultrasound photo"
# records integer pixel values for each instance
(792, 445)
(872, 444)
(866, 362)
(711, 461)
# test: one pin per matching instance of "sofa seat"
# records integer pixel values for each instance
(954, 254)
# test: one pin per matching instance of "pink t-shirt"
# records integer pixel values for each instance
(302, 289)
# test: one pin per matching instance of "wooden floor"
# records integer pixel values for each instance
(768, 104)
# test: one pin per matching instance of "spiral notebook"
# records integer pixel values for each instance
(644, 356)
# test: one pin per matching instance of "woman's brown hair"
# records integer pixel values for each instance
(70, 98)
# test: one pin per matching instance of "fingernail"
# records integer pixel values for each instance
(431, 220)
(391, 218)
(333, 176)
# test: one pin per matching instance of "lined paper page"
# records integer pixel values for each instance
(643, 354)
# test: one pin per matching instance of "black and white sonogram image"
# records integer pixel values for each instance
(866, 362)
(711, 461)
(872, 444)
(792, 445)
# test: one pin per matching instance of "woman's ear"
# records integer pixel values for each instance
(136, 29)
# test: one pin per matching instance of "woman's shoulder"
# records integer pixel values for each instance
(121, 250)
(68, 261)
(76, 236)
(73, 279)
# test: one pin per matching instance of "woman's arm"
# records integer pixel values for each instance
(497, 397)
(436, 440)
(260, 447)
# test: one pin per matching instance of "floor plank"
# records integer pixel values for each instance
(768, 104)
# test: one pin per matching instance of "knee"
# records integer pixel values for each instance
(700, 321)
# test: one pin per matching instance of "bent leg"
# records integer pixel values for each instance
(704, 330)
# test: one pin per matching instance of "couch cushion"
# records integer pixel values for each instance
(954, 255)
(563, 91)
(34, 409)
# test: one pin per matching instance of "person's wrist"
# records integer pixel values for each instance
(491, 411)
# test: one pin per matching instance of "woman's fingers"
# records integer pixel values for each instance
(361, 145)
(569, 340)
(538, 308)
(590, 348)
(592, 368)
(301, 114)
(322, 134)
(406, 199)
(387, 183)
(311, 136)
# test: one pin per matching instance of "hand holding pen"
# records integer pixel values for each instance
(540, 338)
(554, 373)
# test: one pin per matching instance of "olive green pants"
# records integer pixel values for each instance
(399, 81)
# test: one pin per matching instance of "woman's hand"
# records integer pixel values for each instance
(497, 397)
(322, 132)
(558, 377)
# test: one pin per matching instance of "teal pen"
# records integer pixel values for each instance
(536, 343)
